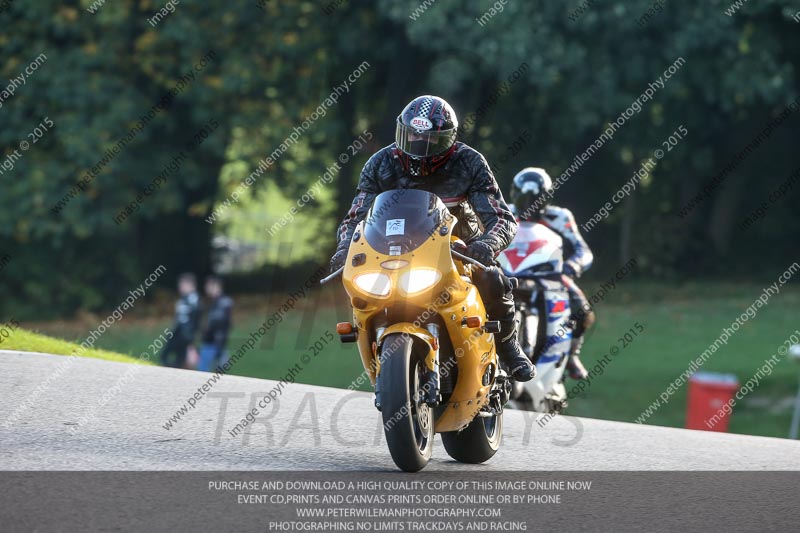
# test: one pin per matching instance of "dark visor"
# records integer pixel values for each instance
(423, 143)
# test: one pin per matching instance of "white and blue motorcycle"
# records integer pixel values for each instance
(535, 258)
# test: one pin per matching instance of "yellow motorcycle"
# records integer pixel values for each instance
(422, 331)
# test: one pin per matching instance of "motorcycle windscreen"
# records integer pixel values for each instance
(400, 221)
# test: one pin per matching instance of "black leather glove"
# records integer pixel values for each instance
(338, 259)
(481, 252)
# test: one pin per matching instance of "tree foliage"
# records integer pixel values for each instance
(274, 62)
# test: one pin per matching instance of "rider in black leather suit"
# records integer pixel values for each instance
(426, 156)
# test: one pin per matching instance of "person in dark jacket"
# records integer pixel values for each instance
(426, 156)
(217, 328)
(187, 316)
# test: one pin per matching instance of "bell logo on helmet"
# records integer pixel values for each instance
(421, 123)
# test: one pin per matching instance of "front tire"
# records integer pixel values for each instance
(407, 421)
(478, 442)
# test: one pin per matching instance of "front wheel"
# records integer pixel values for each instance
(478, 442)
(525, 342)
(407, 421)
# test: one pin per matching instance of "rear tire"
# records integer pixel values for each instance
(407, 422)
(478, 442)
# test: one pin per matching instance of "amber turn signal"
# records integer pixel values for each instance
(473, 321)
(344, 328)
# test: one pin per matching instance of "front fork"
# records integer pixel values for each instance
(528, 320)
(431, 388)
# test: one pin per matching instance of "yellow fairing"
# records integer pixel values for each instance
(451, 296)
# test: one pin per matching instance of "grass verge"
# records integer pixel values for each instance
(27, 341)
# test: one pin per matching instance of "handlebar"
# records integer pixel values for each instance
(332, 275)
(469, 260)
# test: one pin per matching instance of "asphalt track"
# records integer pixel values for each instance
(99, 415)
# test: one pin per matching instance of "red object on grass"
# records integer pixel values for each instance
(708, 393)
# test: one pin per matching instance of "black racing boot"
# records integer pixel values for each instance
(496, 290)
(575, 368)
(511, 355)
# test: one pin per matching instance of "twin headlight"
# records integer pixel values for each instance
(411, 282)
(376, 283)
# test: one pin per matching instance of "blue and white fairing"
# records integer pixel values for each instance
(536, 253)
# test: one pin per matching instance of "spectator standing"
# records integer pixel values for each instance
(187, 317)
(217, 327)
